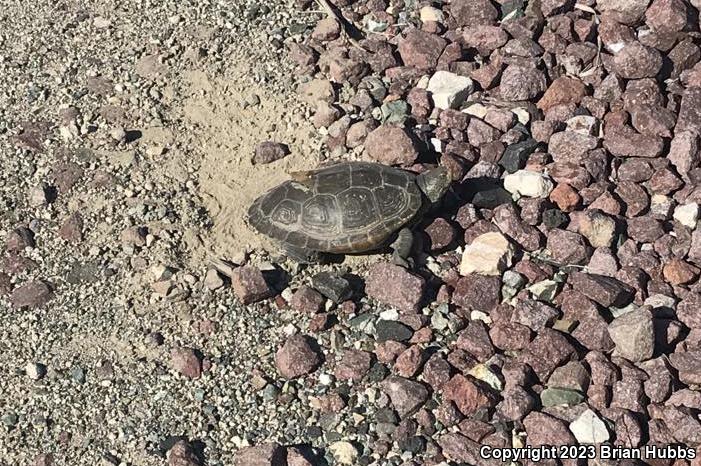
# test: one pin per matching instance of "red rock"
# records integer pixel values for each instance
(441, 234)
(510, 336)
(134, 236)
(326, 29)
(665, 181)
(5, 284)
(684, 56)
(421, 49)
(506, 219)
(568, 247)
(266, 454)
(570, 146)
(565, 197)
(543, 130)
(542, 429)
(521, 83)
(636, 61)
(302, 54)
(477, 292)
(295, 457)
(353, 366)
(484, 38)
(32, 294)
(420, 102)
(269, 151)
(684, 151)
(644, 229)
(460, 449)
(548, 350)
(475, 340)
(635, 198)
(468, 394)
(321, 322)
(564, 90)
(679, 272)
(183, 454)
(405, 294)
(626, 142)
(407, 396)
(19, 239)
(473, 12)
(666, 16)
(249, 285)
(409, 362)
(628, 393)
(688, 311)
(391, 145)
(516, 403)
(689, 111)
(307, 299)
(480, 133)
(187, 362)
(297, 357)
(72, 228)
(47, 459)
(606, 291)
(436, 371)
(652, 120)
(325, 114)
(387, 351)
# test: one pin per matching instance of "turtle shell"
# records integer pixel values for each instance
(345, 208)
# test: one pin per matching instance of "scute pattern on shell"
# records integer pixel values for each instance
(346, 208)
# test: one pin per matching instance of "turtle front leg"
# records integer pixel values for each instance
(303, 256)
(401, 247)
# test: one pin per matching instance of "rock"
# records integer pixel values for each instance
(528, 183)
(449, 90)
(568, 247)
(421, 49)
(266, 454)
(35, 371)
(679, 272)
(542, 429)
(391, 145)
(5, 284)
(626, 142)
(484, 38)
(548, 350)
(407, 396)
(666, 16)
(32, 294)
(488, 254)
(516, 155)
(344, 452)
(566, 197)
(473, 12)
(571, 146)
(316, 90)
(326, 29)
(583, 124)
(405, 295)
(572, 375)
(690, 111)
(47, 459)
(636, 61)
(687, 214)
(477, 292)
(468, 395)
(560, 397)
(212, 280)
(684, 151)
(269, 151)
(440, 233)
(606, 291)
(562, 91)
(390, 330)
(187, 362)
(688, 364)
(19, 239)
(72, 228)
(521, 83)
(307, 299)
(634, 335)
(353, 366)
(409, 362)
(598, 228)
(644, 229)
(588, 428)
(333, 286)
(534, 314)
(183, 454)
(249, 285)
(460, 449)
(298, 356)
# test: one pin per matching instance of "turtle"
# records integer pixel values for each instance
(348, 208)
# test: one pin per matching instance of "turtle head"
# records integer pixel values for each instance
(434, 183)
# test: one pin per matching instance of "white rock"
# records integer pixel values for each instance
(483, 373)
(528, 183)
(344, 452)
(660, 205)
(589, 428)
(449, 90)
(389, 314)
(687, 214)
(522, 114)
(583, 124)
(477, 110)
(488, 254)
(35, 371)
(429, 13)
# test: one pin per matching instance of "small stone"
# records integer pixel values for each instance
(606, 291)
(528, 183)
(212, 280)
(560, 397)
(249, 284)
(521, 83)
(334, 287)
(626, 142)
(390, 330)
(468, 395)
(187, 362)
(405, 295)
(684, 151)
(636, 61)
(353, 366)
(35, 371)
(588, 428)
(488, 254)
(566, 197)
(568, 247)
(516, 155)
(19, 239)
(183, 454)
(484, 38)
(269, 151)
(598, 228)
(407, 396)
(441, 234)
(344, 452)
(299, 356)
(421, 49)
(266, 454)
(679, 272)
(326, 29)
(477, 292)
(32, 294)
(634, 335)
(548, 350)
(564, 90)
(307, 300)
(666, 16)
(688, 364)
(449, 90)
(571, 146)
(391, 145)
(409, 362)
(687, 214)
(542, 429)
